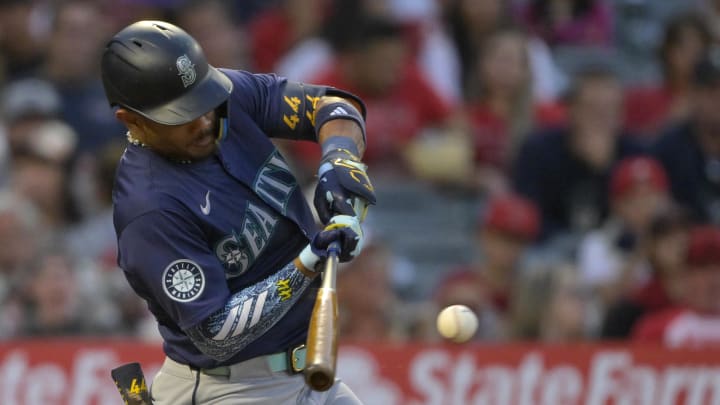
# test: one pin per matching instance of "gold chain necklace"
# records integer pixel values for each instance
(136, 142)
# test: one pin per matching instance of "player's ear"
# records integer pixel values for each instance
(130, 118)
(124, 115)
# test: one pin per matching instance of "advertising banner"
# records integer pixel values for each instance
(77, 372)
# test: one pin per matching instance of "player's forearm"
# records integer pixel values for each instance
(342, 127)
(249, 313)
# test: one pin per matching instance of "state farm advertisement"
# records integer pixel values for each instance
(591, 374)
(77, 372)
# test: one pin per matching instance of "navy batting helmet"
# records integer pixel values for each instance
(159, 71)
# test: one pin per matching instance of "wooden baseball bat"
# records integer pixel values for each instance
(323, 332)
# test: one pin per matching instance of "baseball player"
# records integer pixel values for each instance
(213, 230)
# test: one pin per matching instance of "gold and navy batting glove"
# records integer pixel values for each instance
(344, 229)
(344, 187)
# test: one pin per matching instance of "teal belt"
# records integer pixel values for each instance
(292, 361)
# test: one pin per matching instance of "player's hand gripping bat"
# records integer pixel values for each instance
(322, 339)
(322, 335)
(130, 381)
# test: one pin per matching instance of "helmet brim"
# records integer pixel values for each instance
(213, 90)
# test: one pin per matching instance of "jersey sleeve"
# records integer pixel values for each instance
(281, 108)
(167, 254)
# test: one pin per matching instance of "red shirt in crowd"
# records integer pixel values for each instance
(393, 119)
(679, 327)
(647, 110)
(652, 296)
(491, 134)
(269, 39)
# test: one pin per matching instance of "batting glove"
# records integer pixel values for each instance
(344, 229)
(343, 186)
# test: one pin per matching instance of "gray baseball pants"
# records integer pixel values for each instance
(248, 382)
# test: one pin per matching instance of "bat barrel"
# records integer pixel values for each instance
(319, 377)
(322, 342)
(323, 330)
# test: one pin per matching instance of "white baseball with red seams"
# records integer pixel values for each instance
(457, 323)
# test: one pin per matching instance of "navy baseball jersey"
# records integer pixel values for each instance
(190, 235)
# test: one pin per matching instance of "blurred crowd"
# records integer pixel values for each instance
(552, 164)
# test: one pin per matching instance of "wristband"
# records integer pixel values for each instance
(339, 143)
(338, 110)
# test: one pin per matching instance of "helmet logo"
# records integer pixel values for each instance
(186, 70)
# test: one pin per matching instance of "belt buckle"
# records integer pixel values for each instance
(295, 365)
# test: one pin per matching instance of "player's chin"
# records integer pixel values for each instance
(202, 147)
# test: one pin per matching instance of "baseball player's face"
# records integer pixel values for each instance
(192, 141)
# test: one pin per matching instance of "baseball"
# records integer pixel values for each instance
(457, 323)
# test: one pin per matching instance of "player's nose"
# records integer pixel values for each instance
(202, 123)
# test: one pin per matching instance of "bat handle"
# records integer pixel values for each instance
(329, 276)
(334, 248)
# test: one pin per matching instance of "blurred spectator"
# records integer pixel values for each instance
(120, 13)
(611, 259)
(690, 150)
(470, 23)
(695, 321)
(94, 237)
(432, 46)
(79, 31)
(4, 156)
(570, 22)
(566, 170)
(210, 23)
(275, 31)
(53, 299)
(20, 236)
(710, 10)
(550, 306)
(367, 301)
(22, 239)
(650, 108)
(53, 140)
(23, 37)
(40, 173)
(41, 181)
(26, 105)
(563, 317)
(248, 10)
(664, 252)
(372, 63)
(507, 226)
(93, 245)
(500, 106)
